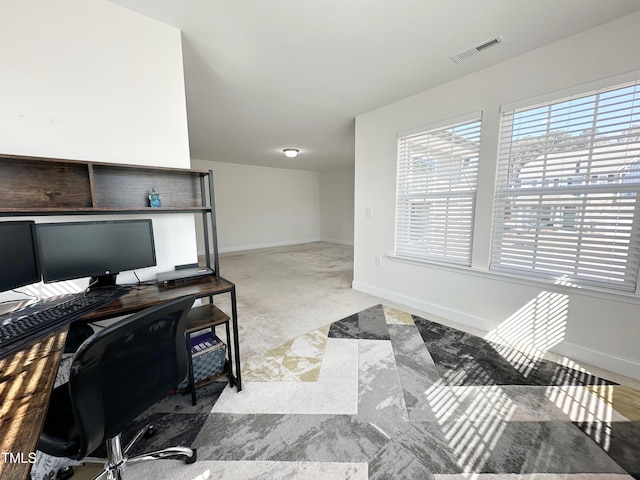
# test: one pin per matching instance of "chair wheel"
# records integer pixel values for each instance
(65, 473)
(150, 432)
(192, 458)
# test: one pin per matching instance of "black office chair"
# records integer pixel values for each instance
(115, 376)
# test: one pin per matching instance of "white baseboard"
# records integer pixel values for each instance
(338, 241)
(614, 363)
(454, 315)
(256, 246)
(240, 248)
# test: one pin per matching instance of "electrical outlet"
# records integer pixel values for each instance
(378, 261)
(369, 212)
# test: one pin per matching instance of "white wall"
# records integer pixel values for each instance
(601, 330)
(85, 79)
(260, 207)
(336, 205)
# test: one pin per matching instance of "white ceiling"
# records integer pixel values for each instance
(263, 75)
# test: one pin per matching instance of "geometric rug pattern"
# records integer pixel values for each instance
(383, 394)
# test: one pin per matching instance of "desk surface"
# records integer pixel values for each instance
(148, 295)
(26, 381)
(27, 377)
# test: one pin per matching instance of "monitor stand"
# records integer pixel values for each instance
(103, 281)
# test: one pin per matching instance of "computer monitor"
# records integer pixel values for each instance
(18, 261)
(98, 249)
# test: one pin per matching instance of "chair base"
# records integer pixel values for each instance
(117, 457)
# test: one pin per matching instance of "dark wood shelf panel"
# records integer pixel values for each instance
(213, 378)
(124, 166)
(205, 316)
(43, 184)
(99, 211)
(48, 186)
(117, 187)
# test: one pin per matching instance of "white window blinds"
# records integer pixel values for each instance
(436, 192)
(567, 190)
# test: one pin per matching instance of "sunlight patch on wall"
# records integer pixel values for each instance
(532, 330)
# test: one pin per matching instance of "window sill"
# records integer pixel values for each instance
(586, 291)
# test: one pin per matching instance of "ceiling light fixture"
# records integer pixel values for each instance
(291, 152)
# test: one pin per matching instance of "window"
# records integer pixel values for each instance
(567, 188)
(437, 178)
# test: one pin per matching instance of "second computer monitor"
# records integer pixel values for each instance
(18, 263)
(98, 249)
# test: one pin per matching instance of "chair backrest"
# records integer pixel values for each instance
(125, 368)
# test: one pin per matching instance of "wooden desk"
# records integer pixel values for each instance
(145, 296)
(27, 377)
(26, 381)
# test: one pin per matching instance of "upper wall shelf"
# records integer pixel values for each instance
(48, 186)
(52, 186)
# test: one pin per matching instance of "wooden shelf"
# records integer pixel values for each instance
(116, 187)
(97, 211)
(213, 378)
(199, 318)
(205, 316)
(49, 186)
(39, 186)
(33, 185)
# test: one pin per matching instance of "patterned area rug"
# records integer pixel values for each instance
(383, 394)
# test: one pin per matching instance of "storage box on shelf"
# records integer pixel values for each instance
(208, 356)
(205, 318)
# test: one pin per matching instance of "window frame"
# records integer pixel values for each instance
(435, 218)
(592, 182)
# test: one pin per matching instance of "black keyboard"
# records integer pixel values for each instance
(22, 326)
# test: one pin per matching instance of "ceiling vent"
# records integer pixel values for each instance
(477, 49)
